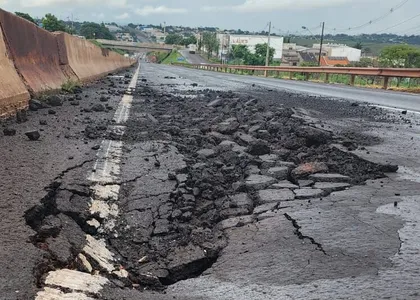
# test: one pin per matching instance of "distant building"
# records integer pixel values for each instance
(125, 37)
(290, 55)
(308, 57)
(113, 28)
(327, 61)
(160, 36)
(340, 50)
(228, 40)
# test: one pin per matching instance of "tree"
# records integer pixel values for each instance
(25, 16)
(51, 23)
(261, 52)
(174, 39)
(189, 40)
(363, 63)
(400, 56)
(358, 45)
(92, 30)
(200, 43)
(239, 52)
(367, 50)
(211, 43)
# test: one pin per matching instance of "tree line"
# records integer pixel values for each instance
(90, 30)
(177, 39)
(240, 54)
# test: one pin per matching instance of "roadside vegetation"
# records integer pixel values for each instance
(70, 86)
(89, 30)
(173, 57)
(177, 39)
(165, 58)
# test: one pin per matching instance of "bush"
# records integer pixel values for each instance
(70, 86)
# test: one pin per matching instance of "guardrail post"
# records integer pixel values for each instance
(352, 79)
(327, 78)
(386, 80)
(290, 75)
(306, 76)
(278, 74)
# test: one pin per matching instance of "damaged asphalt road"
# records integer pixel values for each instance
(163, 186)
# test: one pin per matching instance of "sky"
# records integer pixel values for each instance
(287, 16)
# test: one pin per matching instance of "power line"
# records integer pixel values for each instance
(398, 24)
(373, 21)
(408, 30)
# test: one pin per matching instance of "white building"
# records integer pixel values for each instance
(113, 28)
(227, 41)
(339, 50)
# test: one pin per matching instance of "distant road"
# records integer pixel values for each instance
(389, 99)
(142, 37)
(193, 58)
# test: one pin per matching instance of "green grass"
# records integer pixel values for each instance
(70, 85)
(119, 51)
(173, 57)
(96, 43)
(160, 56)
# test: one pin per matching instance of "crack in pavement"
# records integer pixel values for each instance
(303, 237)
(381, 231)
(61, 175)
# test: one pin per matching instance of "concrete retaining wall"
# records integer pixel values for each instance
(88, 61)
(33, 60)
(35, 54)
(13, 93)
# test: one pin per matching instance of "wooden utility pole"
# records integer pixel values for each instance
(322, 41)
(268, 48)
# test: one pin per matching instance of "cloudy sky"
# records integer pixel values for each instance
(286, 15)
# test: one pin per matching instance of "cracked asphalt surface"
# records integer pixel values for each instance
(197, 214)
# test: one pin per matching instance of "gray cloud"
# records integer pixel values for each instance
(286, 15)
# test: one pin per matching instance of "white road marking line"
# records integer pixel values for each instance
(106, 171)
(395, 109)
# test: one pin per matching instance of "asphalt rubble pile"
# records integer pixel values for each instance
(244, 157)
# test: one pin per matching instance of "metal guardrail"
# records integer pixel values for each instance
(386, 73)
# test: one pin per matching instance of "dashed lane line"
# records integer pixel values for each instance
(70, 284)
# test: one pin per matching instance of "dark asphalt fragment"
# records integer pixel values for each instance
(98, 107)
(33, 135)
(9, 131)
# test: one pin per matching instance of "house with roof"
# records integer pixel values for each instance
(333, 61)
